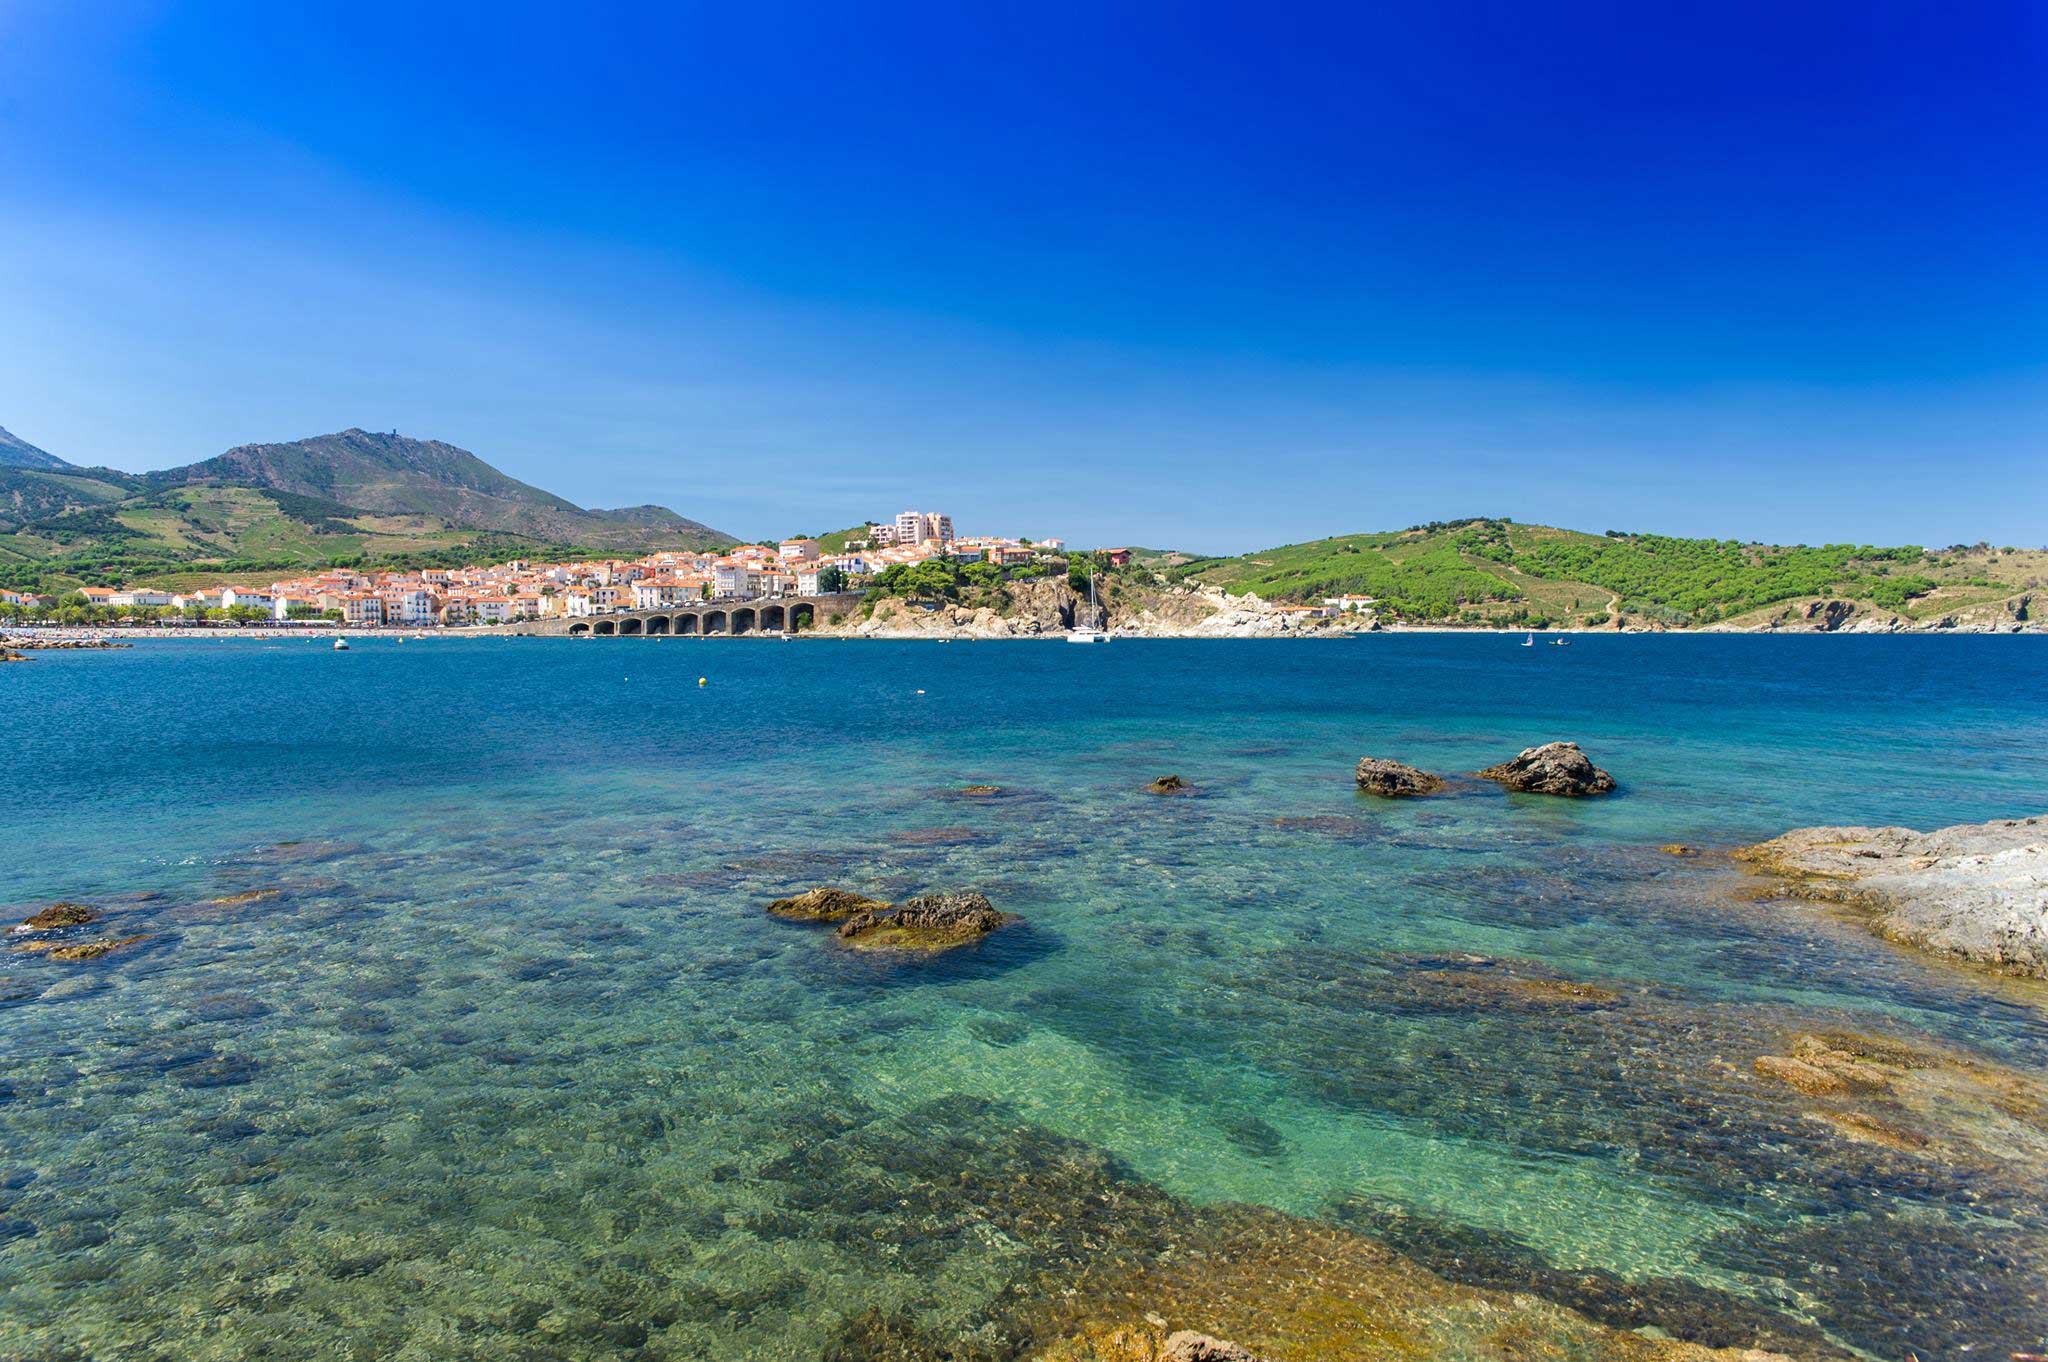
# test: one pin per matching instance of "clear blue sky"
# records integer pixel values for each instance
(1217, 276)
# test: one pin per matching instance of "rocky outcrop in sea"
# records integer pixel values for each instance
(1975, 891)
(1394, 780)
(1555, 768)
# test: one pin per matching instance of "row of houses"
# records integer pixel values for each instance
(520, 589)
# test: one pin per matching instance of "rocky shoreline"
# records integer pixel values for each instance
(1975, 891)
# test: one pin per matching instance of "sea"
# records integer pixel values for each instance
(454, 1026)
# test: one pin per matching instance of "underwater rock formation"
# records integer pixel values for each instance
(825, 904)
(929, 922)
(1167, 785)
(925, 924)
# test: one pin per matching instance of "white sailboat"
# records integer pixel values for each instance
(1079, 635)
(1529, 642)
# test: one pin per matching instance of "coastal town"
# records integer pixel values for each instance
(526, 590)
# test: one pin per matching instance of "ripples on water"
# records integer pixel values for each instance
(512, 1065)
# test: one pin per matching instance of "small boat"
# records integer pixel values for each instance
(341, 645)
(1089, 635)
(1529, 642)
(1560, 643)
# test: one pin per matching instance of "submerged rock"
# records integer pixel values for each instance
(246, 896)
(1394, 780)
(929, 922)
(58, 915)
(1555, 768)
(978, 791)
(825, 904)
(92, 950)
(1189, 1346)
(1975, 891)
(1680, 849)
(1167, 785)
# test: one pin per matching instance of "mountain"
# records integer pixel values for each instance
(16, 452)
(351, 496)
(392, 474)
(1490, 570)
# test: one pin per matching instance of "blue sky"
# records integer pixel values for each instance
(1216, 276)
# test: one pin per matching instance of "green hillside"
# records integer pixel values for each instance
(393, 474)
(353, 497)
(1498, 572)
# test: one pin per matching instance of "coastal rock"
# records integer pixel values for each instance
(58, 915)
(1394, 780)
(92, 950)
(1679, 849)
(1975, 891)
(1555, 768)
(1828, 616)
(1189, 1346)
(826, 904)
(927, 923)
(1167, 785)
(9, 655)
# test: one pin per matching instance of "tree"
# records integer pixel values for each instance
(831, 579)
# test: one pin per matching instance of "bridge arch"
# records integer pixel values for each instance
(743, 620)
(802, 615)
(773, 617)
(714, 621)
(686, 624)
(604, 627)
(575, 629)
(657, 624)
(629, 625)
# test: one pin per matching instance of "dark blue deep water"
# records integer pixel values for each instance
(504, 1059)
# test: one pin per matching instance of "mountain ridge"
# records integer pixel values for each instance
(353, 494)
(16, 452)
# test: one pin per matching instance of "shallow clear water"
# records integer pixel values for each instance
(514, 1065)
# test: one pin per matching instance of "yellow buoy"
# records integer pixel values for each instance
(701, 681)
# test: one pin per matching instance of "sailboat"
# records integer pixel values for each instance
(1529, 642)
(341, 645)
(1078, 635)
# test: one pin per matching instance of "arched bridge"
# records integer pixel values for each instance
(769, 615)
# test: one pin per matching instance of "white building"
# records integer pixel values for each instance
(731, 581)
(915, 527)
(798, 551)
(362, 608)
(140, 595)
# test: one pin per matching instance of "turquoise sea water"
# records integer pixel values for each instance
(513, 1065)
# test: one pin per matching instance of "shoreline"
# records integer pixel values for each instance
(54, 638)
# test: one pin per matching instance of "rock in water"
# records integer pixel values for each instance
(1189, 1346)
(1555, 768)
(1167, 785)
(1977, 891)
(58, 915)
(1393, 780)
(92, 950)
(929, 922)
(826, 904)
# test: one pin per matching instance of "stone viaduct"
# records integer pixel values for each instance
(768, 615)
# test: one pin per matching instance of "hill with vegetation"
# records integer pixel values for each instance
(354, 498)
(1492, 571)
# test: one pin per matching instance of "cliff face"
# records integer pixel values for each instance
(1047, 606)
